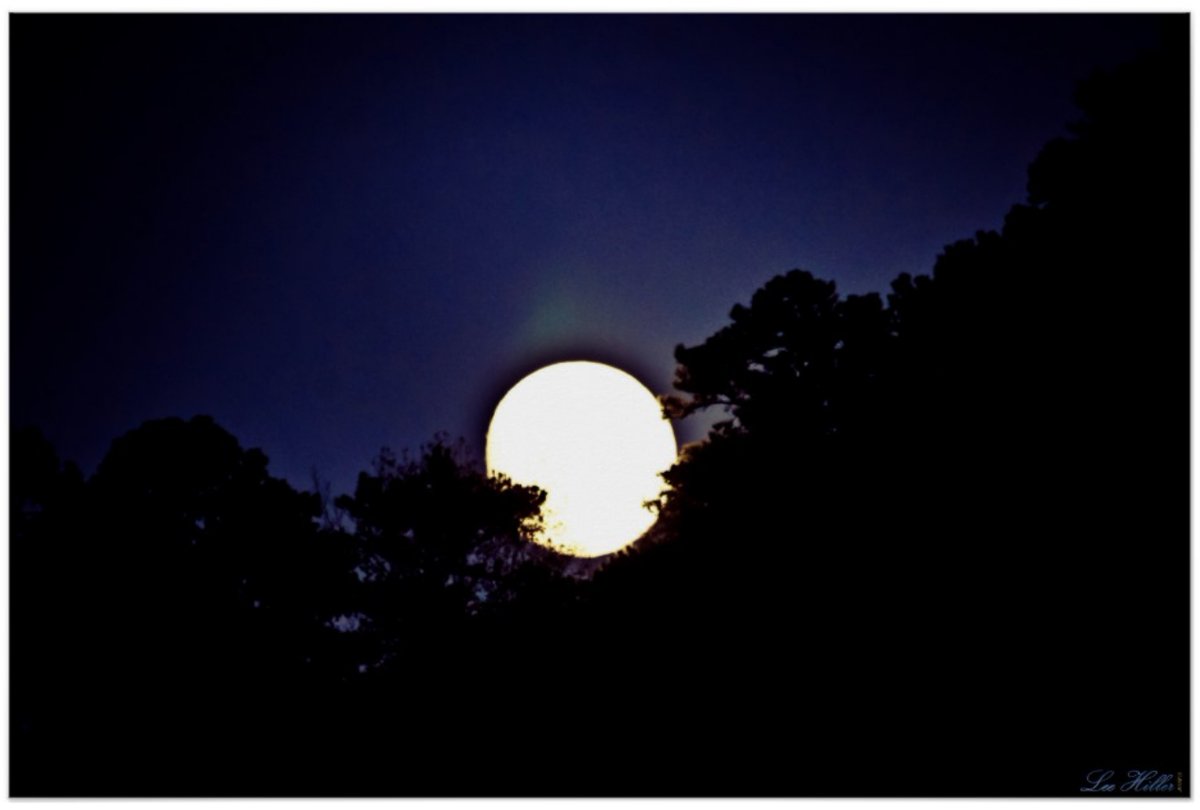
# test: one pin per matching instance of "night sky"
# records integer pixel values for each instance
(338, 233)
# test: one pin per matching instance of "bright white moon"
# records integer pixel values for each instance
(595, 439)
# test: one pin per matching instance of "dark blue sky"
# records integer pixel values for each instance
(338, 233)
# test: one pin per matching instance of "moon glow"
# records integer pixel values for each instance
(594, 438)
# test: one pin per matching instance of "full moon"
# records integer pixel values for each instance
(594, 438)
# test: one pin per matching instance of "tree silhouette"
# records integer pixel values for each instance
(45, 499)
(439, 542)
(450, 622)
(187, 589)
(931, 481)
(183, 609)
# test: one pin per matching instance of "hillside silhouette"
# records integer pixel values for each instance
(937, 546)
